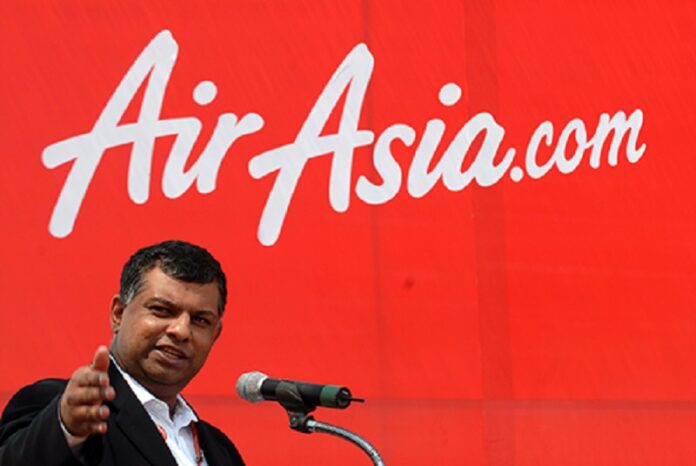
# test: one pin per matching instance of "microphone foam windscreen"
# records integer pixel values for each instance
(249, 386)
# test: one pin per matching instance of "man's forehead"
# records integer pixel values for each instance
(157, 283)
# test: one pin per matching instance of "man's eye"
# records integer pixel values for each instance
(201, 320)
(160, 310)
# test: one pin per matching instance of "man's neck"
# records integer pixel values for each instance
(171, 401)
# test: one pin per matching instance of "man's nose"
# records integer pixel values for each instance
(180, 327)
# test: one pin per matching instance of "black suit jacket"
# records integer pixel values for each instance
(30, 432)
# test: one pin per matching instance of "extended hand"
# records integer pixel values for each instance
(82, 407)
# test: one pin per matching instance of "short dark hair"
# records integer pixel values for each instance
(178, 259)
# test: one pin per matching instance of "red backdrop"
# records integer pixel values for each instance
(545, 320)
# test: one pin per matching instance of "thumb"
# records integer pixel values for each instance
(101, 359)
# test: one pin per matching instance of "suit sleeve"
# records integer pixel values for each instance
(30, 432)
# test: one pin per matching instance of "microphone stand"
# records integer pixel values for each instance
(289, 397)
(318, 426)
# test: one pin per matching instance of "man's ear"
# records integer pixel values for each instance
(117, 308)
(219, 330)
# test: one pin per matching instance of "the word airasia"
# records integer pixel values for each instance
(155, 65)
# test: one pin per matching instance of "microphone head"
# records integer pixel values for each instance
(249, 386)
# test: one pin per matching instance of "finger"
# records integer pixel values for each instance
(85, 396)
(103, 412)
(88, 377)
(100, 362)
(82, 415)
(108, 393)
(89, 428)
(98, 428)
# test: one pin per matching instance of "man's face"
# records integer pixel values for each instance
(163, 336)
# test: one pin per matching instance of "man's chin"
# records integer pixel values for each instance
(164, 386)
(166, 376)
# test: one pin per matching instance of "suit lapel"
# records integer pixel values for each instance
(134, 422)
(214, 455)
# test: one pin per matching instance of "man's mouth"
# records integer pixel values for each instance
(171, 352)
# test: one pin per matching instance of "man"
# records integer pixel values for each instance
(125, 408)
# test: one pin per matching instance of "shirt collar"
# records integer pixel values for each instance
(183, 414)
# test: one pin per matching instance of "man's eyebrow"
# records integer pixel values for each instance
(164, 301)
(206, 312)
(171, 305)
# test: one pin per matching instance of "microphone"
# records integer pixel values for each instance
(256, 386)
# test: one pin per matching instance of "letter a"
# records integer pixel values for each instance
(289, 160)
(155, 61)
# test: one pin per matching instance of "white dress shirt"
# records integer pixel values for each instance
(176, 429)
